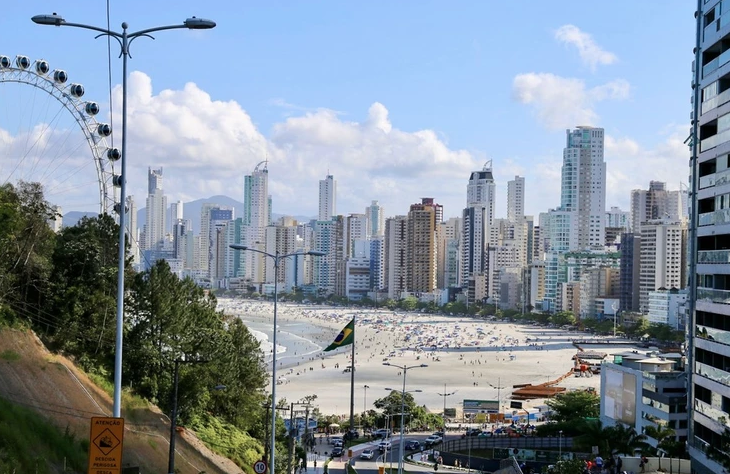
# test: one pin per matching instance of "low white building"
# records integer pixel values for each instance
(640, 389)
(668, 307)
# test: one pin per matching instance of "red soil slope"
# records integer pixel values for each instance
(54, 387)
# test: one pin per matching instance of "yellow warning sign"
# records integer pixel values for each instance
(105, 445)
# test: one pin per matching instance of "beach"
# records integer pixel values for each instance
(473, 357)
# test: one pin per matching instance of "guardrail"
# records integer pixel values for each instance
(527, 442)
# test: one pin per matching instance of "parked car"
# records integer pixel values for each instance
(432, 440)
(367, 454)
(337, 452)
(412, 445)
(384, 445)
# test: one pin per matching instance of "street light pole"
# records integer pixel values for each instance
(124, 39)
(404, 368)
(173, 418)
(365, 399)
(276, 257)
(443, 417)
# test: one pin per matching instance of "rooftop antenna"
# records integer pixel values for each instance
(487, 166)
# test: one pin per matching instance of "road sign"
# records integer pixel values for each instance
(105, 445)
(259, 467)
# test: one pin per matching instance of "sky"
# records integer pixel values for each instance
(398, 100)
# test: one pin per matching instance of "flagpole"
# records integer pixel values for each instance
(352, 378)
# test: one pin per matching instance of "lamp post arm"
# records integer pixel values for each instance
(147, 31)
(93, 28)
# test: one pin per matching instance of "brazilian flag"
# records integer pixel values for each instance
(345, 337)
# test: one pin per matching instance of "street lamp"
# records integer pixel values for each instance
(173, 418)
(560, 445)
(365, 398)
(276, 257)
(124, 39)
(405, 369)
(445, 395)
(499, 388)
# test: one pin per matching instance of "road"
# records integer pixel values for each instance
(371, 466)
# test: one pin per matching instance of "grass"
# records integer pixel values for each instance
(9, 355)
(30, 443)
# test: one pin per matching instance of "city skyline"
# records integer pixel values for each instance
(407, 135)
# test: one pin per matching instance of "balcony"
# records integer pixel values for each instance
(716, 296)
(710, 372)
(715, 217)
(715, 140)
(713, 256)
(716, 63)
(716, 101)
(707, 181)
(712, 334)
(718, 416)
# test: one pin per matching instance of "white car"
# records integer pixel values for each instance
(367, 454)
(384, 445)
(432, 440)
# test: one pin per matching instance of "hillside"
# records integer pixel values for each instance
(51, 385)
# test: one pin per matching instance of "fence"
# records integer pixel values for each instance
(464, 444)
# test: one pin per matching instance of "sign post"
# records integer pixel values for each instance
(259, 467)
(105, 445)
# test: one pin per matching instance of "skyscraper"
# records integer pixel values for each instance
(256, 217)
(516, 199)
(707, 349)
(376, 219)
(327, 196)
(476, 221)
(396, 258)
(655, 203)
(156, 210)
(423, 220)
(583, 190)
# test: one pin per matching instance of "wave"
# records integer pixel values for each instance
(265, 344)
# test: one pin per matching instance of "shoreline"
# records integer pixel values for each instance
(476, 358)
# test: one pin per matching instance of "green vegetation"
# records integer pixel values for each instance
(31, 444)
(575, 414)
(64, 287)
(9, 355)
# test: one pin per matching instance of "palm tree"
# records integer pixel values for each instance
(593, 433)
(625, 440)
(662, 434)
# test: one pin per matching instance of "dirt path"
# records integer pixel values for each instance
(33, 377)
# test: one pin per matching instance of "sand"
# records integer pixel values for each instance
(475, 358)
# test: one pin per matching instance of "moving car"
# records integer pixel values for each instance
(367, 454)
(384, 445)
(337, 452)
(412, 445)
(432, 440)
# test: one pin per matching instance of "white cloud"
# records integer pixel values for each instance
(590, 53)
(561, 102)
(206, 146)
(629, 165)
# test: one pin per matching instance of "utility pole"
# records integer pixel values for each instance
(291, 439)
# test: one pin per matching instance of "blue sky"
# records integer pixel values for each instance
(398, 99)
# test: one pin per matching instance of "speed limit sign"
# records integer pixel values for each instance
(259, 467)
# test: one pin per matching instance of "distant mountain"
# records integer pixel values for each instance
(72, 217)
(191, 210)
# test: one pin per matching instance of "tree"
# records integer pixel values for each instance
(83, 291)
(562, 318)
(625, 440)
(26, 244)
(666, 441)
(569, 407)
(592, 433)
(409, 303)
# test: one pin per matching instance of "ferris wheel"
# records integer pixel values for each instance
(49, 134)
